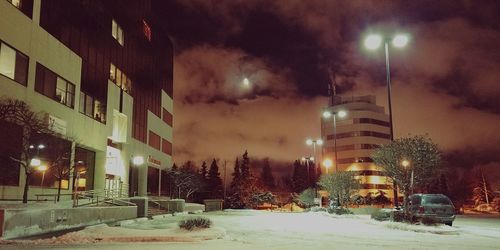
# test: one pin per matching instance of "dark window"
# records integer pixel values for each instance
(166, 147)
(359, 133)
(167, 117)
(154, 140)
(83, 176)
(436, 199)
(354, 160)
(13, 64)
(371, 121)
(53, 86)
(153, 178)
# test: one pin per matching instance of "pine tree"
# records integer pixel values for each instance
(214, 181)
(236, 174)
(266, 176)
(203, 170)
(245, 166)
(299, 177)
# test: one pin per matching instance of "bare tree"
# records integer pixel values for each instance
(32, 124)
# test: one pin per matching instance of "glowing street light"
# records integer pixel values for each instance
(42, 168)
(246, 82)
(328, 164)
(327, 114)
(35, 162)
(406, 164)
(373, 42)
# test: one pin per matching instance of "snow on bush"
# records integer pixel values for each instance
(194, 223)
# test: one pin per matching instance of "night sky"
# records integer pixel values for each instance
(446, 82)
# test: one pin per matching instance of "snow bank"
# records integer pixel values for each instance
(419, 228)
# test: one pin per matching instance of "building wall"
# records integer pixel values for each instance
(358, 133)
(140, 108)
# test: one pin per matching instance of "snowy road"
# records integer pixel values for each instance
(265, 230)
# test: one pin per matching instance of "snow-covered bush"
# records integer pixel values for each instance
(381, 215)
(339, 210)
(193, 223)
(307, 196)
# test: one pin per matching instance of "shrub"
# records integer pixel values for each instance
(339, 210)
(381, 215)
(429, 220)
(193, 223)
(307, 196)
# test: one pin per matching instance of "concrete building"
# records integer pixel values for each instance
(102, 71)
(363, 129)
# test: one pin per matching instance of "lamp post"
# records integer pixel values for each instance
(312, 142)
(42, 168)
(327, 163)
(341, 114)
(406, 164)
(373, 42)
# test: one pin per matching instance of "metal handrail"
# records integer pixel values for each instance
(95, 196)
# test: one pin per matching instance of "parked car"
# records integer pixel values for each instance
(437, 206)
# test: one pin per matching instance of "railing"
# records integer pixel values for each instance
(95, 197)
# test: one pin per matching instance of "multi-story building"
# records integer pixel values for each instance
(102, 73)
(364, 127)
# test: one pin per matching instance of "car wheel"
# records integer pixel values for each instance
(449, 223)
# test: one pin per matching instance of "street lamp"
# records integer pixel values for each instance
(406, 164)
(373, 42)
(340, 114)
(311, 142)
(327, 163)
(42, 168)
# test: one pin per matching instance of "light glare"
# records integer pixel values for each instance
(405, 163)
(309, 142)
(327, 114)
(42, 168)
(327, 163)
(319, 142)
(342, 114)
(400, 41)
(373, 41)
(35, 162)
(138, 160)
(246, 82)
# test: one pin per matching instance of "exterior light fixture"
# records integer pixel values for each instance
(42, 168)
(405, 163)
(373, 42)
(246, 82)
(35, 162)
(309, 142)
(400, 40)
(138, 160)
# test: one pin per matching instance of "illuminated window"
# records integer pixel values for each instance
(119, 78)
(117, 32)
(92, 107)
(13, 64)
(53, 86)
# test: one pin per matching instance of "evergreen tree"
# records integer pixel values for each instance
(203, 170)
(299, 177)
(214, 181)
(245, 166)
(236, 174)
(266, 176)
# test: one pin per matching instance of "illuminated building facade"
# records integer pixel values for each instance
(102, 71)
(364, 128)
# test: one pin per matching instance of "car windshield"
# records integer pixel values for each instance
(437, 200)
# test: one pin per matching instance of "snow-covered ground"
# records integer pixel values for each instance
(250, 229)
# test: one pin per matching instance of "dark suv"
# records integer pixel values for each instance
(438, 206)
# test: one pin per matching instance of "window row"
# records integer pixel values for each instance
(369, 172)
(13, 64)
(375, 186)
(359, 133)
(351, 147)
(120, 79)
(161, 144)
(354, 160)
(167, 117)
(371, 121)
(92, 107)
(53, 86)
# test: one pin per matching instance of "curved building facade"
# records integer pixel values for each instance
(364, 128)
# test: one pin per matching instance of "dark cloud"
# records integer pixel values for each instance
(444, 84)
